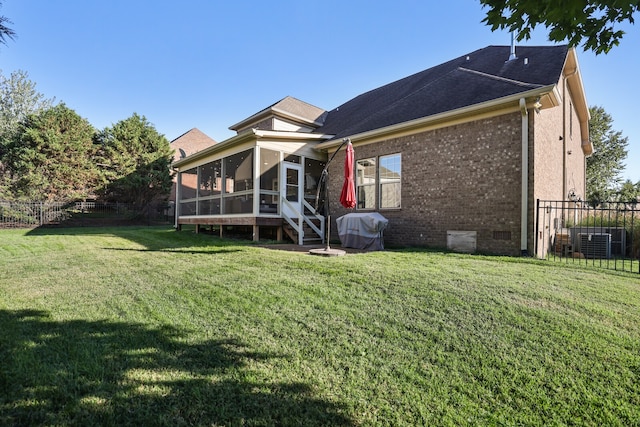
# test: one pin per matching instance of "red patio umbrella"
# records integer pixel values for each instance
(348, 195)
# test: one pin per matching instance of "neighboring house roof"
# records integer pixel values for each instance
(478, 77)
(189, 143)
(288, 108)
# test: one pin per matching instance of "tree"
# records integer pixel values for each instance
(606, 162)
(629, 192)
(134, 160)
(591, 23)
(50, 157)
(18, 98)
(5, 32)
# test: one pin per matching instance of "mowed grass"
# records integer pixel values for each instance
(149, 326)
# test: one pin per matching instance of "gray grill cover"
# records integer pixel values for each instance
(362, 230)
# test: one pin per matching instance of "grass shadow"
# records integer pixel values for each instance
(153, 238)
(175, 251)
(114, 373)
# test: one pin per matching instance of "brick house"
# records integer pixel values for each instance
(186, 144)
(453, 156)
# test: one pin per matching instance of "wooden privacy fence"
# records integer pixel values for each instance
(607, 235)
(81, 213)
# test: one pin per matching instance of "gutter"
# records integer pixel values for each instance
(247, 136)
(290, 135)
(573, 81)
(214, 148)
(550, 91)
(564, 132)
(266, 113)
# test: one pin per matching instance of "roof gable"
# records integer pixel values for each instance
(289, 109)
(480, 76)
(190, 142)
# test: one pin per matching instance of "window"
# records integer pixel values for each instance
(238, 170)
(187, 208)
(201, 188)
(292, 158)
(390, 175)
(366, 183)
(312, 173)
(188, 184)
(210, 179)
(269, 173)
(210, 206)
(208, 189)
(379, 179)
(238, 204)
(238, 183)
(188, 191)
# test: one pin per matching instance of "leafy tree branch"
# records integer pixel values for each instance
(592, 24)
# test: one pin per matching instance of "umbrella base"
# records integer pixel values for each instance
(327, 252)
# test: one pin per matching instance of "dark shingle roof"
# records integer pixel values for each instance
(289, 106)
(471, 79)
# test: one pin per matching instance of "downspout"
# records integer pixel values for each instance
(524, 205)
(176, 207)
(564, 134)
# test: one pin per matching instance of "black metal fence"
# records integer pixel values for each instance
(607, 235)
(81, 214)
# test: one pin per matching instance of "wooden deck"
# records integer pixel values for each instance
(251, 221)
(241, 220)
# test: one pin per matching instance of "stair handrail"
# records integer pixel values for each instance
(295, 224)
(314, 213)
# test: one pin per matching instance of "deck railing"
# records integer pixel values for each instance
(298, 220)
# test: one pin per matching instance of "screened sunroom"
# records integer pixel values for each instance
(262, 183)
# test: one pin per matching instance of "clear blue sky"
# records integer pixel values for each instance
(211, 63)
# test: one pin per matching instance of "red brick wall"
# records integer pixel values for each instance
(467, 177)
(190, 142)
(464, 177)
(556, 148)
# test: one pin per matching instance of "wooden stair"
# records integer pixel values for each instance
(310, 236)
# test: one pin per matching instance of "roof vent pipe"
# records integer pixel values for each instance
(513, 56)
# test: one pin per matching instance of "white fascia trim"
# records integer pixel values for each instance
(551, 90)
(220, 146)
(260, 115)
(289, 135)
(255, 134)
(295, 117)
(274, 112)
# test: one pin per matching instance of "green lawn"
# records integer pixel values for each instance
(148, 326)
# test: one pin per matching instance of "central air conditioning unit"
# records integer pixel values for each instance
(595, 245)
(618, 237)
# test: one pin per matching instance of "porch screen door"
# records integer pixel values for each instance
(291, 188)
